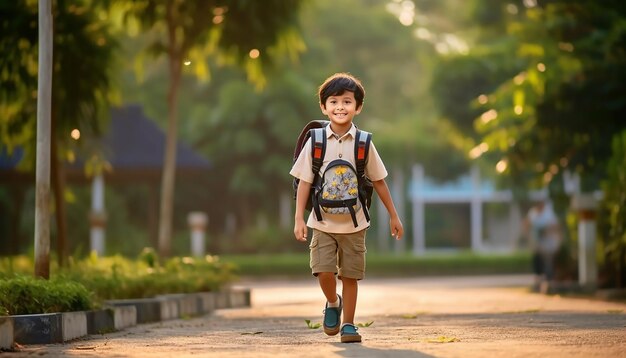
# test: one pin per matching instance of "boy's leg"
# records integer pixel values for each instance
(351, 263)
(324, 263)
(349, 292)
(328, 284)
(324, 266)
(332, 309)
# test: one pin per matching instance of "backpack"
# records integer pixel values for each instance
(342, 188)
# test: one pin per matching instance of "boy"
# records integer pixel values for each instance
(338, 245)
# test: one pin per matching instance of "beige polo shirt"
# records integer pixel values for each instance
(338, 148)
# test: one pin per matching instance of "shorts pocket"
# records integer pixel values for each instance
(315, 252)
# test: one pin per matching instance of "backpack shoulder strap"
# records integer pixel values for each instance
(318, 148)
(361, 150)
(305, 134)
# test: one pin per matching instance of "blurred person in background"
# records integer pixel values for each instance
(541, 227)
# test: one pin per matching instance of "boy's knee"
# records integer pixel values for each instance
(325, 275)
(348, 280)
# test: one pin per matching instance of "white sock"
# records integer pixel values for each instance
(334, 304)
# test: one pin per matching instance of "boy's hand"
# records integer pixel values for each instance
(397, 230)
(300, 230)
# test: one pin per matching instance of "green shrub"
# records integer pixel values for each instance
(117, 277)
(104, 278)
(13, 265)
(29, 295)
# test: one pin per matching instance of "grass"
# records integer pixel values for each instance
(387, 265)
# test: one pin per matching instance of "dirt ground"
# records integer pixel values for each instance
(486, 316)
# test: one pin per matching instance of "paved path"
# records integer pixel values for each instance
(488, 316)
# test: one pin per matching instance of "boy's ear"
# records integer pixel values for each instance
(358, 110)
(323, 107)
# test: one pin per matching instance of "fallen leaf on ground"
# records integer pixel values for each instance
(442, 339)
(257, 332)
(531, 310)
(312, 325)
(85, 348)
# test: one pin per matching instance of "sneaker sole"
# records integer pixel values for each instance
(331, 331)
(350, 339)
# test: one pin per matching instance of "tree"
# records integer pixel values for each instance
(380, 50)
(83, 49)
(548, 115)
(543, 79)
(42, 180)
(562, 107)
(241, 32)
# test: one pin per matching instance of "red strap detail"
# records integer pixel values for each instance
(317, 153)
(361, 153)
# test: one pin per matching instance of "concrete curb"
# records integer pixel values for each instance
(124, 317)
(74, 325)
(186, 305)
(147, 309)
(38, 328)
(116, 315)
(6, 333)
(111, 319)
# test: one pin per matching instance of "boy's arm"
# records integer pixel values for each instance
(299, 228)
(394, 221)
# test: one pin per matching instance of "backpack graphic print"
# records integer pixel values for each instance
(338, 192)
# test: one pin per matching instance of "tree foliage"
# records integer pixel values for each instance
(180, 30)
(18, 73)
(550, 101)
(567, 103)
(83, 49)
(82, 60)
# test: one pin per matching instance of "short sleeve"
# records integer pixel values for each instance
(375, 168)
(303, 167)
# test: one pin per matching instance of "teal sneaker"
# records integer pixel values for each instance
(349, 333)
(332, 318)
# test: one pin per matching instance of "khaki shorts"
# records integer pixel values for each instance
(342, 254)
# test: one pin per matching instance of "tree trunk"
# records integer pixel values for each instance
(169, 163)
(42, 176)
(153, 214)
(58, 183)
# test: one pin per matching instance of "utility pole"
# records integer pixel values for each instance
(42, 176)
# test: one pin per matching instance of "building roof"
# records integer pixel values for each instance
(10, 161)
(134, 146)
(134, 141)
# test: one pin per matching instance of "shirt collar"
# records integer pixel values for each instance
(351, 131)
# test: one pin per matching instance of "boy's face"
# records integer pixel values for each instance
(341, 109)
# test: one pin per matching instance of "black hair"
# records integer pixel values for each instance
(339, 83)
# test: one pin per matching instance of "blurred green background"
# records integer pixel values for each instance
(532, 93)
